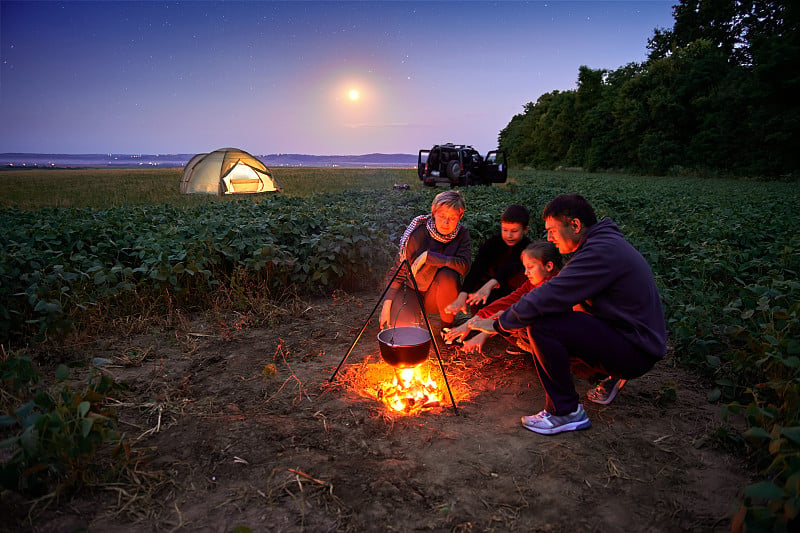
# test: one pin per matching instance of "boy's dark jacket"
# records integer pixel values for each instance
(496, 259)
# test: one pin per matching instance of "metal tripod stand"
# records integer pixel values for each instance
(406, 264)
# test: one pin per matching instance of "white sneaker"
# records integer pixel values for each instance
(547, 424)
(606, 390)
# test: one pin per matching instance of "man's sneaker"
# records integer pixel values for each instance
(548, 424)
(606, 390)
(515, 350)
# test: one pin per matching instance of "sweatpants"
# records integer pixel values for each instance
(566, 342)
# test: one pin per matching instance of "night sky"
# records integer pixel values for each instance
(279, 77)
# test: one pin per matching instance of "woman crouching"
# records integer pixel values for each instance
(437, 246)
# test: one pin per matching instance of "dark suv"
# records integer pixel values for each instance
(460, 164)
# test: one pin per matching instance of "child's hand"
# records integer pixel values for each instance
(486, 325)
(455, 334)
(475, 344)
(481, 296)
(478, 297)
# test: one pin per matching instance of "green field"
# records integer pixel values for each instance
(83, 246)
(103, 188)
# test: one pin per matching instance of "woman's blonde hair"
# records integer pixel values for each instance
(450, 199)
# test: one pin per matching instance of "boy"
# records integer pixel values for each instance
(497, 270)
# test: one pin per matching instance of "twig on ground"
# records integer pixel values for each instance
(159, 408)
(180, 518)
(301, 473)
(292, 376)
(324, 419)
(47, 498)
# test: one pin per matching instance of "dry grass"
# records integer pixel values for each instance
(101, 188)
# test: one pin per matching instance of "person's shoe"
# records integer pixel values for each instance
(547, 424)
(516, 350)
(606, 390)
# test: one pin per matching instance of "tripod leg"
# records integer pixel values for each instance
(367, 322)
(430, 332)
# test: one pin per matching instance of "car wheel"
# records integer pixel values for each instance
(453, 170)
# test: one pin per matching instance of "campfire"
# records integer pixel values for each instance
(400, 391)
(404, 379)
(409, 392)
(414, 391)
(405, 349)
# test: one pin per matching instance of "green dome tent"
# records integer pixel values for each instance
(227, 171)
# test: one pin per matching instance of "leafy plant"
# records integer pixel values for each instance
(17, 375)
(60, 433)
(725, 254)
(772, 504)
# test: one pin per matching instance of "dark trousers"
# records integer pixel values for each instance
(577, 342)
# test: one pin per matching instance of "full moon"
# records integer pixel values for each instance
(353, 95)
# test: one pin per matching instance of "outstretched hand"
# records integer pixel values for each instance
(475, 344)
(459, 304)
(478, 297)
(456, 334)
(481, 296)
(486, 325)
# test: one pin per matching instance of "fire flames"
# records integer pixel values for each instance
(409, 392)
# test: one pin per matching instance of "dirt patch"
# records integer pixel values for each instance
(244, 429)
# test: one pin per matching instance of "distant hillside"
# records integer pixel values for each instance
(369, 160)
(26, 160)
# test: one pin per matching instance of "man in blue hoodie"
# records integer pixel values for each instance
(603, 310)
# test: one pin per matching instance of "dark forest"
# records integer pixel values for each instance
(716, 96)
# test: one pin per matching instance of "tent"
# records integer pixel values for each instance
(227, 171)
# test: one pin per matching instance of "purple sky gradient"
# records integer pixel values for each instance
(273, 77)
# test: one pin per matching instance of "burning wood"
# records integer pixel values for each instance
(405, 391)
(409, 392)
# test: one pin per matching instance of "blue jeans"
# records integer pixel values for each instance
(565, 342)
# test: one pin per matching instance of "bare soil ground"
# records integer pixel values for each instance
(234, 444)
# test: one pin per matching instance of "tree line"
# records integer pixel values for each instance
(717, 94)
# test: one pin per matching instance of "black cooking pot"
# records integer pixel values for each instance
(404, 347)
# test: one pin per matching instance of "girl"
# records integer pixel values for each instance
(542, 261)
